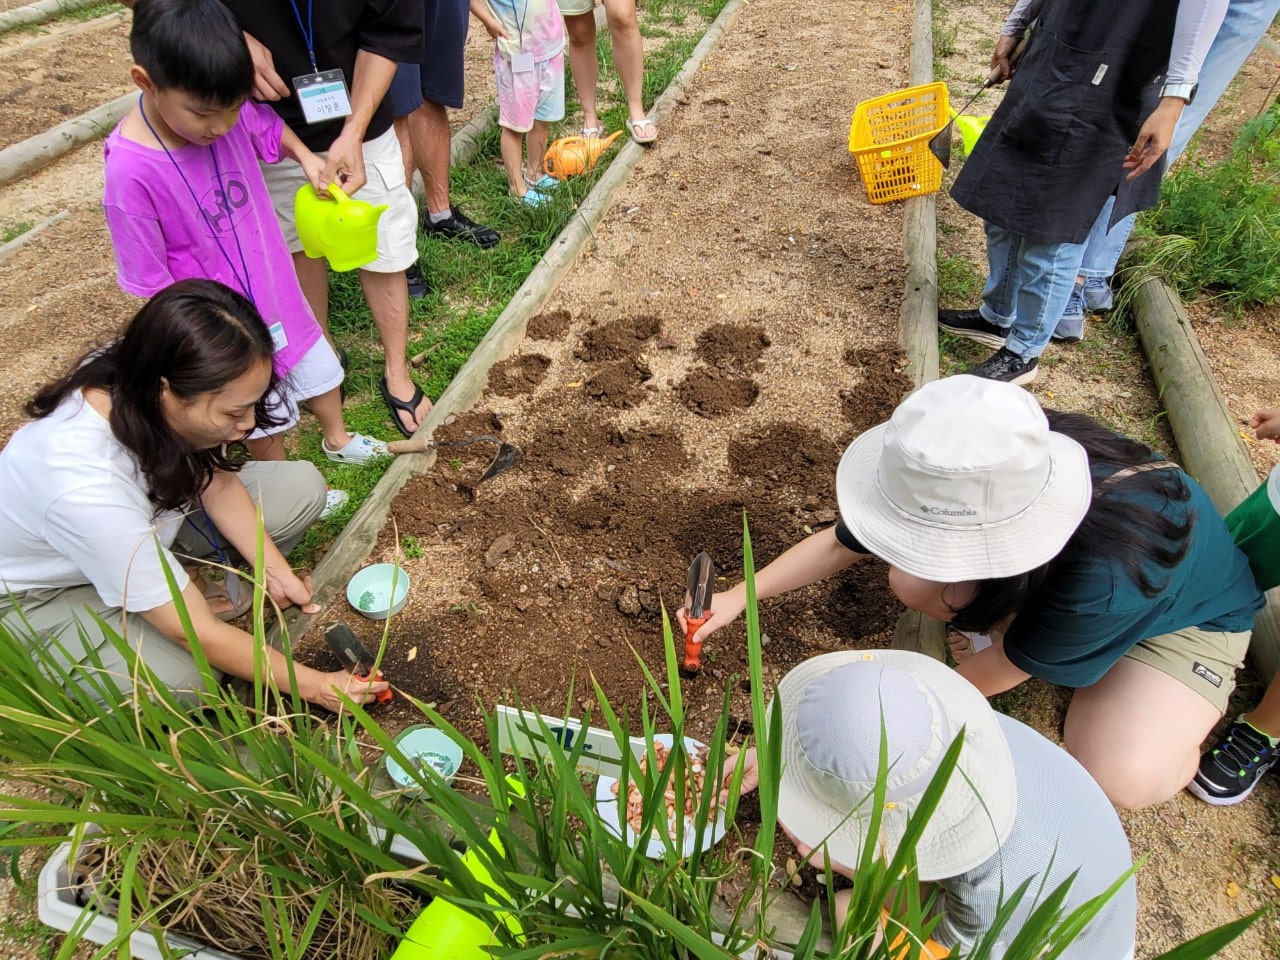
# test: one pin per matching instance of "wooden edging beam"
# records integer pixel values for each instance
(40, 12)
(35, 152)
(918, 319)
(1206, 433)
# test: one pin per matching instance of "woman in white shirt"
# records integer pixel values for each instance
(126, 463)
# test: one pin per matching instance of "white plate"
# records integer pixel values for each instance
(607, 807)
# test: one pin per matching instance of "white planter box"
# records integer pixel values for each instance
(56, 897)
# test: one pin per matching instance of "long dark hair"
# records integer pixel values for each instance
(1137, 537)
(195, 335)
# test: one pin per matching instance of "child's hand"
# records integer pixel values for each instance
(312, 169)
(750, 775)
(1266, 424)
(814, 858)
(495, 30)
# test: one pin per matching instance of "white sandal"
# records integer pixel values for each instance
(631, 128)
(359, 449)
(592, 133)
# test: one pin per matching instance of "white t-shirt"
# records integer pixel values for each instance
(74, 511)
(1064, 823)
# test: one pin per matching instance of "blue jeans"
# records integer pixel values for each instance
(1245, 23)
(1028, 286)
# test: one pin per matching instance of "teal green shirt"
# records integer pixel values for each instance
(1091, 612)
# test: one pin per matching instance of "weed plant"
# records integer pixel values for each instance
(1216, 232)
(264, 830)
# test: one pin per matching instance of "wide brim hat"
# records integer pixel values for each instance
(964, 482)
(832, 706)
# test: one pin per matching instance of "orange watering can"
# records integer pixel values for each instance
(570, 156)
(343, 230)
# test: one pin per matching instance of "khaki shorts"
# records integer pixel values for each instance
(1204, 660)
(572, 8)
(384, 166)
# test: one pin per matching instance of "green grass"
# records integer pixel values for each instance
(14, 231)
(1216, 232)
(960, 282)
(471, 287)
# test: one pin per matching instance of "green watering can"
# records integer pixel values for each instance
(343, 230)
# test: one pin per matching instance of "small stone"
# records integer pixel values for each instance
(824, 516)
(498, 548)
(629, 601)
(648, 601)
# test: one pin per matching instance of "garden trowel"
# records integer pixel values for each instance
(355, 655)
(506, 456)
(701, 586)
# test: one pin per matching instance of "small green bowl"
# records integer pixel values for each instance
(428, 746)
(369, 591)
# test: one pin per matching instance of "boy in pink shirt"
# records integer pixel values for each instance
(185, 198)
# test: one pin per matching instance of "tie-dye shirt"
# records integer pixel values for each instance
(532, 26)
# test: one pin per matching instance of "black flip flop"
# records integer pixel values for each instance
(398, 406)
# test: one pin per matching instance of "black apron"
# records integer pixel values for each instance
(1052, 153)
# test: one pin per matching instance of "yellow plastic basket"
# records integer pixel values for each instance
(890, 136)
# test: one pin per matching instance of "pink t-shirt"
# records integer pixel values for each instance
(160, 235)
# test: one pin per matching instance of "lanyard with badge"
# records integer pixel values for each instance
(521, 62)
(279, 339)
(322, 94)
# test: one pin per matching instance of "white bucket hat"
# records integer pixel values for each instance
(831, 711)
(964, 482)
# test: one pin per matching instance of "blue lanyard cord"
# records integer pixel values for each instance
(242, 279)
(308, 32)
(210, 536)
(521, 15)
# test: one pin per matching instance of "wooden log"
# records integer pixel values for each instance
(35, 152)
(40, 12)
(70, 30)
(918, 319)
(1208, 437)
(352, 546)
(14, 245)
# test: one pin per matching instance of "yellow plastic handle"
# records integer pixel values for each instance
(338, 194)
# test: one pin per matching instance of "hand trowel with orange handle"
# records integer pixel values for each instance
(702, 575)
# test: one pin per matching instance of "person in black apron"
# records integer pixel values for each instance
(1089, 115)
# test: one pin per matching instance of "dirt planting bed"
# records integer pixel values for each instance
(553, 574)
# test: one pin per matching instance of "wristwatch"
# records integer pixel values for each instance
(1184, 91)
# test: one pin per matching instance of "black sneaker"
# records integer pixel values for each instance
(417, 283)
(458, 226)
(1229, 772)
(972, 325)
(1006, 367)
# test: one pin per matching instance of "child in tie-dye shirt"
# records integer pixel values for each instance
(528, 60)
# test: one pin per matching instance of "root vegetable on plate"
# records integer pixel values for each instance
(695, 780)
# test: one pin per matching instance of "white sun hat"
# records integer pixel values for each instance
(831, 712)
(964, 482)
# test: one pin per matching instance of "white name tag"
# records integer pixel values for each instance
(323, 96)
(522, 63)
(1102, 72)
(279, 339)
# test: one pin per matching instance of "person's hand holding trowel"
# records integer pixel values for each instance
(1003, 59)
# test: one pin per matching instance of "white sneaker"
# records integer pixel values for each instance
(359, 449)
(334, 500)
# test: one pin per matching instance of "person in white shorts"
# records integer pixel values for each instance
(357, 43)
(628, 58)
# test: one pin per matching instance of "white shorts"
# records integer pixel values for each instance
(315, 374)
(384, 166)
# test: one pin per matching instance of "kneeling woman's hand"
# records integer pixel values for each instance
(328, 688)
(288, 589)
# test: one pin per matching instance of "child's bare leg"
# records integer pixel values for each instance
(267, 448)
(512, 144)
(1266, 715)
(328, 410)
(535, 143)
